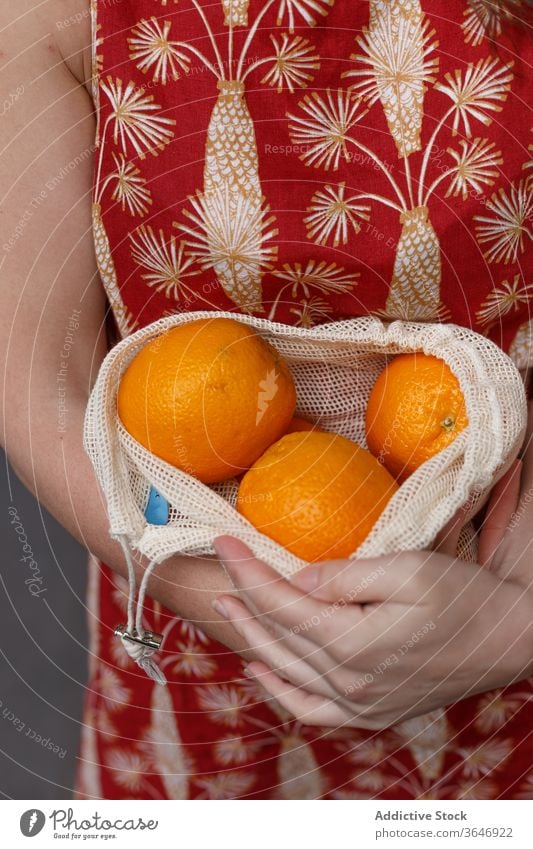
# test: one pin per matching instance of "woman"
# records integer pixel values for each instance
(348, 159)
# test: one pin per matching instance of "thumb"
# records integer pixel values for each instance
(502, 503)
(447, 539)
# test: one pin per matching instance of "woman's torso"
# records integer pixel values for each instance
(308, 204)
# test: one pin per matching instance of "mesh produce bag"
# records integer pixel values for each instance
(334, 367)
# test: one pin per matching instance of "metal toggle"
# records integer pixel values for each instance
(149, 639)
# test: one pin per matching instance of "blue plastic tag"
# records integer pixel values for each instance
(157, 508)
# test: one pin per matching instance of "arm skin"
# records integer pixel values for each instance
(48, 271)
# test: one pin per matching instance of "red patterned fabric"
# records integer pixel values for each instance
(358, 157)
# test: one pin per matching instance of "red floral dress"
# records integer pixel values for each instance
(304, 160)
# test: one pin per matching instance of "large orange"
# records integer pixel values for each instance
(316, 493)
(208, 396)
(415, 409)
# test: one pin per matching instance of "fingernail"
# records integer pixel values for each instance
(248, 672)
(220, 608)
(306, 579)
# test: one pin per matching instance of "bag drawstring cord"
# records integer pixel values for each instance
(138, 643)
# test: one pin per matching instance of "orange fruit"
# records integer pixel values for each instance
(415, 409)
(298, 424)
(208, 396)
(318, 494)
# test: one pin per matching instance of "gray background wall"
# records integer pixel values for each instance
(43, 659)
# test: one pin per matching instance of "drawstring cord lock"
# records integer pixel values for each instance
(148, 639)
(141, 648)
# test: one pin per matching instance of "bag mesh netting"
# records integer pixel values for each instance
(334, 367)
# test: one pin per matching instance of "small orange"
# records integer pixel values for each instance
(208, 396)
(415, 409)
(298, 424)
(318, 494)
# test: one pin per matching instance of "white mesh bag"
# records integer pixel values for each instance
(334, 367)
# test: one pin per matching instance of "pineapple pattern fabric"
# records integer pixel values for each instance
(305, 161)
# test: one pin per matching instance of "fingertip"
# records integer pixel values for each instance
(231, 549)
(220, 607)
(256, 668)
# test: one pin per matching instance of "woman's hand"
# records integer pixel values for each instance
(369, 643)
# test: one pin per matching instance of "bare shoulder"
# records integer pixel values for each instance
(61, 28)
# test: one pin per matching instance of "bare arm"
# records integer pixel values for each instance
(48, 270)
